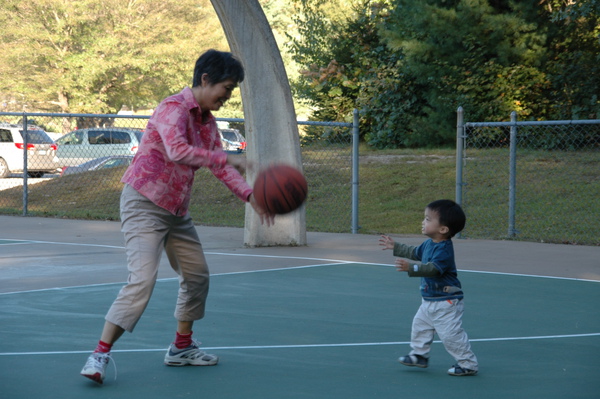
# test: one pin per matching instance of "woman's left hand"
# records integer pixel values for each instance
(237, 162)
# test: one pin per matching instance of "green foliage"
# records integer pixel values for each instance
(574, 67)
(407, 65)
(95, 56)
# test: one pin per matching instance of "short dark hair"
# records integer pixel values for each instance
(451, 215)
(219, 66)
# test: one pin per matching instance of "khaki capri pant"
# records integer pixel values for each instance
(149, 229)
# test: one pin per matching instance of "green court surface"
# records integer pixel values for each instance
(325, 331)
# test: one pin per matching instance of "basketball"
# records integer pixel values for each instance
(280, 189)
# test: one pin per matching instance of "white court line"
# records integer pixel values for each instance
(308, 345)
(20, 242)
(334, 263)
(120, 283)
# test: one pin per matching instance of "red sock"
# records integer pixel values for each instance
(183, 340)
(103, 347)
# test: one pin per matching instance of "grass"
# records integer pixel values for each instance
(558, 193)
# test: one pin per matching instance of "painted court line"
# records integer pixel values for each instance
(335, 261)
(16, 242)
(341, 345)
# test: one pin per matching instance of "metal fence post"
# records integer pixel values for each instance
(25, 190)
(512, 184)
(355, 164)
(460, 142)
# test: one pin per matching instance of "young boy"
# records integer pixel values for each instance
(442, 305)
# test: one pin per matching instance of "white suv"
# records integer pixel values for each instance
(41, 151)
(232, 140)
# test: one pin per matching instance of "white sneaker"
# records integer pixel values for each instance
(190, 356)
(96, 366)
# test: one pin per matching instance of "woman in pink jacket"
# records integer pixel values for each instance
(180, 138)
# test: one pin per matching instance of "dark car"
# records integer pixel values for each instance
(98, 163)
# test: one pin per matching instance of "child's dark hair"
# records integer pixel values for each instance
(219, 66)
(451, 215)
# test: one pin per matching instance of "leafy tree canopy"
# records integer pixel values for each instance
(409, 64)
(96, 56)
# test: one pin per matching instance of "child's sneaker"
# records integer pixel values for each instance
(192, 356)
(96, 366)
(460, 371)
(414, 361)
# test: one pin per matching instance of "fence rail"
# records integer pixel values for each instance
(529, 180)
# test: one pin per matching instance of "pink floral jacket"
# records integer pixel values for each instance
(175, 145)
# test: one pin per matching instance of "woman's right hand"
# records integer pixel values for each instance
(264, 216)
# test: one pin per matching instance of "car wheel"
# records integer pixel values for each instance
(35, 174)
(4, 172)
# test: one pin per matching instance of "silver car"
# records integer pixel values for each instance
(84, 145)
(41, 151)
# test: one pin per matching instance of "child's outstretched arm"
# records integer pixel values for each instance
(401, 264)
(401, 250)
(417, 269)
(386, 242)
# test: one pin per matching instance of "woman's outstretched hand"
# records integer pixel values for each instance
(265, 217)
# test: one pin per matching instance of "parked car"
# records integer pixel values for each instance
(83, 145)
(98, 163)
(232, 140)
(41, 151)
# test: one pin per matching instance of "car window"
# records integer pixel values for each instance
(120, 137)
(139, 135)
(71, 139)
(88, 164)
(37, 137)
(111, 163)
(231, 136)
(108, 137)
(5, 136)
(98, 137)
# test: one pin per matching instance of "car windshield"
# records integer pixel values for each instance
(92, 163)
(231, 136)
(37, 137)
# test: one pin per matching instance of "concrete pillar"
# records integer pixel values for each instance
(270, 118)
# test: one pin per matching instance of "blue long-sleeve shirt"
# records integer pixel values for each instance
(444, 284)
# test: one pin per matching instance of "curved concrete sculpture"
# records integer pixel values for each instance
(270, 118)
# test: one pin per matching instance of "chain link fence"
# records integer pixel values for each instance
(531, 181)
(74, 170)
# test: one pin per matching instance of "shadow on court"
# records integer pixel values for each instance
(290, 322)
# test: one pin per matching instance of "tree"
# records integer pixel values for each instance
(96, 56)
(574, 60)
(318, 49)
(409, 64)
(480, 54)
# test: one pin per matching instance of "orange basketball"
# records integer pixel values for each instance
(280, 189)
